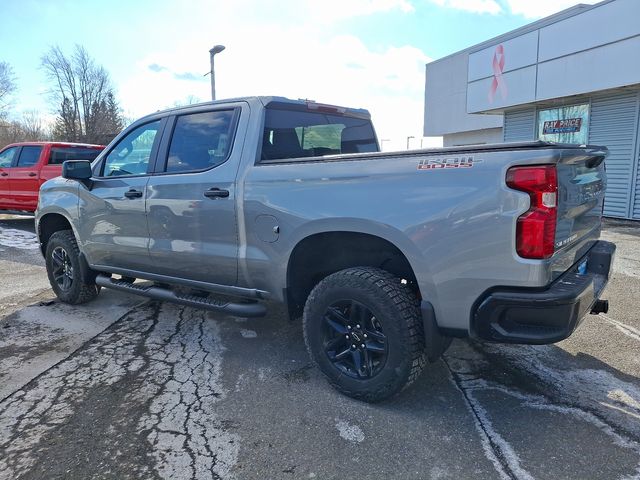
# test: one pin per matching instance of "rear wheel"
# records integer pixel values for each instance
(363, 329)
(63, 268)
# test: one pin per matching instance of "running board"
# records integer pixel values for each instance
(248, 310)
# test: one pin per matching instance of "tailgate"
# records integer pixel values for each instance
(581, 188)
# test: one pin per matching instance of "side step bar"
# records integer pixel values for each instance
(248, 310)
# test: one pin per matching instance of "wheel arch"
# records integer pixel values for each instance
(50, 223)
(320, 254)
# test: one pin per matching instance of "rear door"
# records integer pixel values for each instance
(7, 157)
(191, 198)
(24, 178)
(112, 213)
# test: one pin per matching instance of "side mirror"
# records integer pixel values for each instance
(77, 170)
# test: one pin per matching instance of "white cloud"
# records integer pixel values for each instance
(541, 8)
(474, 6)
(332, 10)
(527, 8)
(296, 59)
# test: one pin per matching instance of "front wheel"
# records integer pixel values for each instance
(363, 329)
(63, 268)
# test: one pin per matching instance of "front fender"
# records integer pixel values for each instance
(58, 196)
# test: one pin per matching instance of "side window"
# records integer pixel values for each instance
(131, 154)
(6, 157)
(200, 141)
(29, 156)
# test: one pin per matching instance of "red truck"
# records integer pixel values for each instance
(26, 166)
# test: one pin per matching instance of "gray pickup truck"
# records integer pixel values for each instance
(234, 204)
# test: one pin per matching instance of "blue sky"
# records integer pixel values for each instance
(361, 53)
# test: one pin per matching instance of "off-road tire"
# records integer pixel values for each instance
(396, 308)
(78, 292)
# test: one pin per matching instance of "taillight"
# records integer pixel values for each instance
(536, 228)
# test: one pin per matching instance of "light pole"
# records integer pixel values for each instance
(409, 138)
(212, 53)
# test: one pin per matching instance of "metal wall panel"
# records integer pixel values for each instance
(575, 55)
(635, 196)
(614, 124)
(520, 52)
(519, 125)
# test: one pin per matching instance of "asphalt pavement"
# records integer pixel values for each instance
(123, 388)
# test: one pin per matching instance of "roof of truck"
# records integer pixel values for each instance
(55, 144)
(264, 101)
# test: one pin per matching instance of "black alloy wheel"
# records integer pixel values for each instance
(363, 329)
(353, 339)
(62, 270)
(62, 257)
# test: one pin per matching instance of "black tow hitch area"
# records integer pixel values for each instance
(601, 306)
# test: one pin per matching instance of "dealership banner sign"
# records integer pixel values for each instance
(565, 124)
(569, 125)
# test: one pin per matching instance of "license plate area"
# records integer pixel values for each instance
(582, 267)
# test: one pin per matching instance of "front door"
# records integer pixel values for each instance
(191, 199)
(25, 178)
(112, 213)
(7, 202)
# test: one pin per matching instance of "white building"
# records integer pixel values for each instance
(571, 77)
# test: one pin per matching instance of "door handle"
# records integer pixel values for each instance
(32, 174)
(4, 174)
(133, 193)
(216, 193)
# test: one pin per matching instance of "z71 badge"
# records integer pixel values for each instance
(435, 163)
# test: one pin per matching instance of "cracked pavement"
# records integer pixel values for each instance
(122, 388)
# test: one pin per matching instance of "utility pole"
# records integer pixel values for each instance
(212, 53)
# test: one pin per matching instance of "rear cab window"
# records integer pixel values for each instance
(302, 132)
(59, 155)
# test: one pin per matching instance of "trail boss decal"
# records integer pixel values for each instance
(435, 163)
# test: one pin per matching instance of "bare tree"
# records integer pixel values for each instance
(7, 87)
(82, 93)
(33, 126)
(188, 100)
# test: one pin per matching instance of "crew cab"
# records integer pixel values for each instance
(385, 256)
(26, 166)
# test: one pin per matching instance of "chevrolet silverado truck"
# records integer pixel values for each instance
(233, 205)
(26, 166)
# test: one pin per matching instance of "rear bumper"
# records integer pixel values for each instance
(539, 316)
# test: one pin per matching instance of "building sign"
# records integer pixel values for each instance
(570, 125)
(498, 82)
(567, 124)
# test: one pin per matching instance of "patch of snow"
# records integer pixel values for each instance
(628, 330)
(351, 433)
(11, 237)
(248, 333)
(490, 438)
